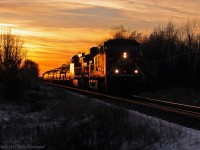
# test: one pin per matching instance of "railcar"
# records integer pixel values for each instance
(50, 75)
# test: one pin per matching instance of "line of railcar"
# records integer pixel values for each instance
(115, 65)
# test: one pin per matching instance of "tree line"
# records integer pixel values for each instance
(16, 73)
(171, 54)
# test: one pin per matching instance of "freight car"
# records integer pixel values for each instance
(114, 65)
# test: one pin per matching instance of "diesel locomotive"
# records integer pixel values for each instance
(114, 65)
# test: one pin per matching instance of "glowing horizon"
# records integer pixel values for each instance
(55, 30)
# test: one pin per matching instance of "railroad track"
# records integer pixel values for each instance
(191, 111)
(185, 115)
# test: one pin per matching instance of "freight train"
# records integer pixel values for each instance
(114, 65)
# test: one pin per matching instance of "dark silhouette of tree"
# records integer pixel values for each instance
(138, 36)
(171, 54)
(163, 43)
(30, 70)
(121, 32)
(11, 56)
(29, 75)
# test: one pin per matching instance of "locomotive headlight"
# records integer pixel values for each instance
(136, 71)
(116, 71)
(124, 55)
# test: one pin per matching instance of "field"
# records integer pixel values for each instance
(52, 118)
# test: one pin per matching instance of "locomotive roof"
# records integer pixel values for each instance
(121, 41)
(88, 57)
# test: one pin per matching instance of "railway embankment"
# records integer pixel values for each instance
(53, 118)
(183, 95)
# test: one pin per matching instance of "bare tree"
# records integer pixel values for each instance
(190, 35)
(122, 32)
(11, 49)
(163, 43)
(11, 56)
(138, 36)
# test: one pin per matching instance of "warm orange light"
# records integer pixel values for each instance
(136, 71)
(72, 68)
(124, 55)
(116, 71)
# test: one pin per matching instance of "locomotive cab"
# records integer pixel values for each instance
(116, 66)
(123, 65)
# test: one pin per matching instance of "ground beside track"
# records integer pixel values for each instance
(59, 119)
(174, 114)
(184, 95)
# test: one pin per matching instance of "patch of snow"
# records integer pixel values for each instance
(187, 139)
(14, 121)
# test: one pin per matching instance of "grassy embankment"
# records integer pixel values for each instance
(58, 119)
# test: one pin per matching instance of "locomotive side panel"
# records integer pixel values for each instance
(97, 72)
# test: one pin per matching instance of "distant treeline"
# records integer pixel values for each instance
(171, 54)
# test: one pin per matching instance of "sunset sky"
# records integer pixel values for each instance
(55, 30)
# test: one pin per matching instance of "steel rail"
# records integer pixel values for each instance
(164, 106)
(184, 107)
